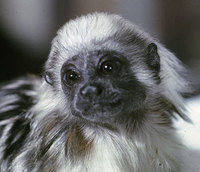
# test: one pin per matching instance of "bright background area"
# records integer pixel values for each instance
(28, 26)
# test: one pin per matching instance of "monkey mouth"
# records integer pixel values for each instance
(109, 105)
(99, 110)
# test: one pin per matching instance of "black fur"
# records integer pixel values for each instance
(16, 137)
(153, 60)
(23, 102)
(17, 119)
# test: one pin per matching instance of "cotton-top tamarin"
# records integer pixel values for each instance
(105, 104)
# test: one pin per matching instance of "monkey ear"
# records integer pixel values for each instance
(48, 78)
(153, 59)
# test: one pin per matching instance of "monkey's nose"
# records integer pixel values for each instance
(90, 91)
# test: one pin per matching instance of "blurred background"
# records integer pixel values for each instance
(28, 26)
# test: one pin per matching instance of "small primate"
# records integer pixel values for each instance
(106, 103)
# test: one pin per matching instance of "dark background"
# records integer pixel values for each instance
(27, 28)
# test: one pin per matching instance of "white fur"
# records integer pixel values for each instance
(117, 153)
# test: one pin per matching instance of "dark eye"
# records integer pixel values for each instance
(110, 67)
(71, 77)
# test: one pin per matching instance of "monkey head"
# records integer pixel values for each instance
(102, 68)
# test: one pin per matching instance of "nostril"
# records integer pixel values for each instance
(90, 90)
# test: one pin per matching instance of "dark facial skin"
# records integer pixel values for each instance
(101, 87)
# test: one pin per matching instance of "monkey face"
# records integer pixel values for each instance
(101, 87)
